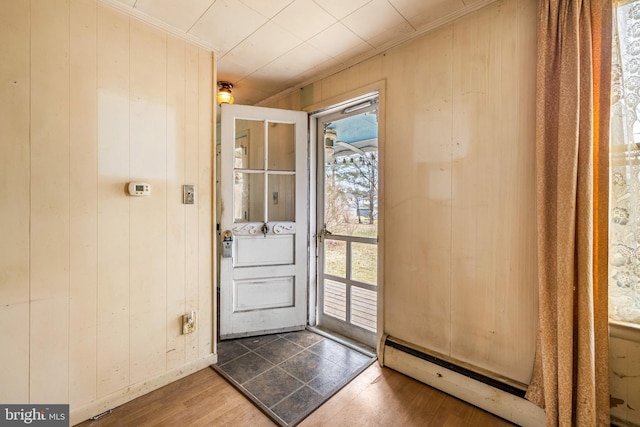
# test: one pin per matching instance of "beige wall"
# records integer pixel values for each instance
(458, 186)
(92, 282)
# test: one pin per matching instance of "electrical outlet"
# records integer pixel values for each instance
(188, 323)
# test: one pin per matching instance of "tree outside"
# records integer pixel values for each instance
(351, 209)
(351, 194)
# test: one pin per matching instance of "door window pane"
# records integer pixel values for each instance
(249, 145)
(281, 198)
(248, 197)
(351, 195)
(335, 258)
(282, 146)
(364, 262)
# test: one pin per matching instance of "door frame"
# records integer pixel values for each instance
(326, 107)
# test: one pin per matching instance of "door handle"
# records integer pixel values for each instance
(227, 244)
(324, 232)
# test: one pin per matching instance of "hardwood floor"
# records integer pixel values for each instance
(378, 397)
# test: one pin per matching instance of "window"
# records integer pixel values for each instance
(624, 231)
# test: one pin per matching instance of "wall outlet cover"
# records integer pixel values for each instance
(188, 323)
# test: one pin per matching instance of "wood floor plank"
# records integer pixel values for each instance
(377, 397)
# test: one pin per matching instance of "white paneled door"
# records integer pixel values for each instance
(263, 223)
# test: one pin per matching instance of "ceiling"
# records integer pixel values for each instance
(264, 47)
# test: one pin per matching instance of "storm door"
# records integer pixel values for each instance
(347, 223)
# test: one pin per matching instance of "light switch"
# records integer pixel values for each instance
(188, 196)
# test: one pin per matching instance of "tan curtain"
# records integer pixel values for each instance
(570, 378)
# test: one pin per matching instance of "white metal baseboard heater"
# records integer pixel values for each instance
(492, 395)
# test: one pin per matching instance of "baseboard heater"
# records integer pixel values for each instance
(492, 395)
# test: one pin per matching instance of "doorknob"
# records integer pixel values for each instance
(227, 244)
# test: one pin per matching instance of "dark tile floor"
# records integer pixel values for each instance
(289, 375)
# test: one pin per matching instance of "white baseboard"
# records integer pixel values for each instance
(506, 405)
(119, 397)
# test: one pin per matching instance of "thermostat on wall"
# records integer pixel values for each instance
(139, 189)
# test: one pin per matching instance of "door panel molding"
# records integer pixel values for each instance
(247, 293)
(254, 251)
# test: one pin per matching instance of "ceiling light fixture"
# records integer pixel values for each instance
(224, 93)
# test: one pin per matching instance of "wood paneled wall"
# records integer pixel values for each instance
(93, 283)
(459, 186)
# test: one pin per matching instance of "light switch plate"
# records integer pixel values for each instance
(188, 194)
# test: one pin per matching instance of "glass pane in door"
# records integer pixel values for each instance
(364, 262)
(249, 144)
(248, 200)
(282, 153)
(335, 258)
(281, 197)
(351, 194)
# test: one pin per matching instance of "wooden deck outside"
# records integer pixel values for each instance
(363, 304)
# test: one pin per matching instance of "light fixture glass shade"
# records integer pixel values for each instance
(224, 93)
(224, 97)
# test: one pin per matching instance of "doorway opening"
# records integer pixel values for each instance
(347, 220)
